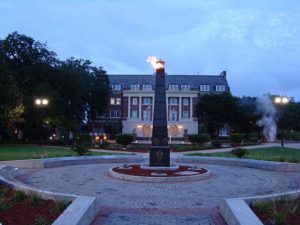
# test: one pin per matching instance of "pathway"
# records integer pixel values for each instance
(122, 202)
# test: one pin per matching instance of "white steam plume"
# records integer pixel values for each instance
(267, 122)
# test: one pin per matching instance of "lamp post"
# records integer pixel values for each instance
(40, 102)
(281, 101)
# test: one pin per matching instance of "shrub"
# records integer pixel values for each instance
(239, 152)
(84, 139)
(4, 205)
(20, 196)
(61, 205)
(216, 144)
(124, 139)
(199, 138)
(80, 149)
(35, 199)
(40, 220)
(237, 138)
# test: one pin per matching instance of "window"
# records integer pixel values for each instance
(116, 87)
(173, 87)
(146, 101)
(112, 113)
(204, 87)
(146, 115)
(185, 101)
(220, 87)
(173, 101)
(134, 101)
(185, 87)
(173, 115)
(115, 101)
(118, 101)
(118, 113)
(223, 132)
(135, 87)
(147, 87)
(185, 114)
(134, 114)
(112, 101)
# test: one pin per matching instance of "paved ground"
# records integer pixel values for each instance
(123, 202)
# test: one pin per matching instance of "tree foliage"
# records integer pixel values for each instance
(215, 110)
(28, 69)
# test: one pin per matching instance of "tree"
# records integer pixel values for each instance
(246, 118)
(215, 110)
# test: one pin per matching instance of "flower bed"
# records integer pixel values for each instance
(281, 212)
(136, 170)
(17, 208)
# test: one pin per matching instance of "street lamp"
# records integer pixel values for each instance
(280, 100)
(40, 102)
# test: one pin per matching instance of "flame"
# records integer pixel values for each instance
(152, 60)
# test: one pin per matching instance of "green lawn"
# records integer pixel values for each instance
(280, 154)
(15, 152)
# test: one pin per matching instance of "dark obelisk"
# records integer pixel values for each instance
(159, 149)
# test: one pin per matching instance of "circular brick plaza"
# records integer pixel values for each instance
(159, 203)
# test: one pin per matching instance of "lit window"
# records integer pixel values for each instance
(134, 101)
(112, 101)
(135, 87)
(204, 87)
(146, 101)
(118, 101)
(185, 87)
(112, 113)
(147, 87)
(134, 114)
(185, 114)
(173, 87)
(173, 101)
(185, 101)
(173, 115)
(116, 87)
(146, 115)
(220, 87)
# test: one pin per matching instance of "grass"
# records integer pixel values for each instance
(280, 154)
(17, 152)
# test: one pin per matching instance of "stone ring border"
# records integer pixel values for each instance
(83, 209)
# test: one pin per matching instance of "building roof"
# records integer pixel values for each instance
(193, 80)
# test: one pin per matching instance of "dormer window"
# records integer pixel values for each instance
(147, 87)
(135, 87)
(173, 87)
(204, 87)
(220, 88)
(116, 87)
(185, 87)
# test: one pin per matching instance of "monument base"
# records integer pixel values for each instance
(159, 156)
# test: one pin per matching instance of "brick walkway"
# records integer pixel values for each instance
(122, 202)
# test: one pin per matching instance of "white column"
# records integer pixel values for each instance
(129, 104)
(140, 108)
(191, 107)
(180, 108)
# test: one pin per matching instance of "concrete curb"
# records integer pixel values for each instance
(236, 211)
(251, 163)
(81, 211)
(65, 161)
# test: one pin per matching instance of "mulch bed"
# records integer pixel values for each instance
(137, 171)
(267, 219)
(25, 212)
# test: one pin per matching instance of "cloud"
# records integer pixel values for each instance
(256, 41)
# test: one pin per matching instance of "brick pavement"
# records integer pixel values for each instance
(163, 203)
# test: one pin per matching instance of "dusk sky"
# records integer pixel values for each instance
(256, 41)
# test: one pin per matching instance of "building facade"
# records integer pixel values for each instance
(132, 97)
